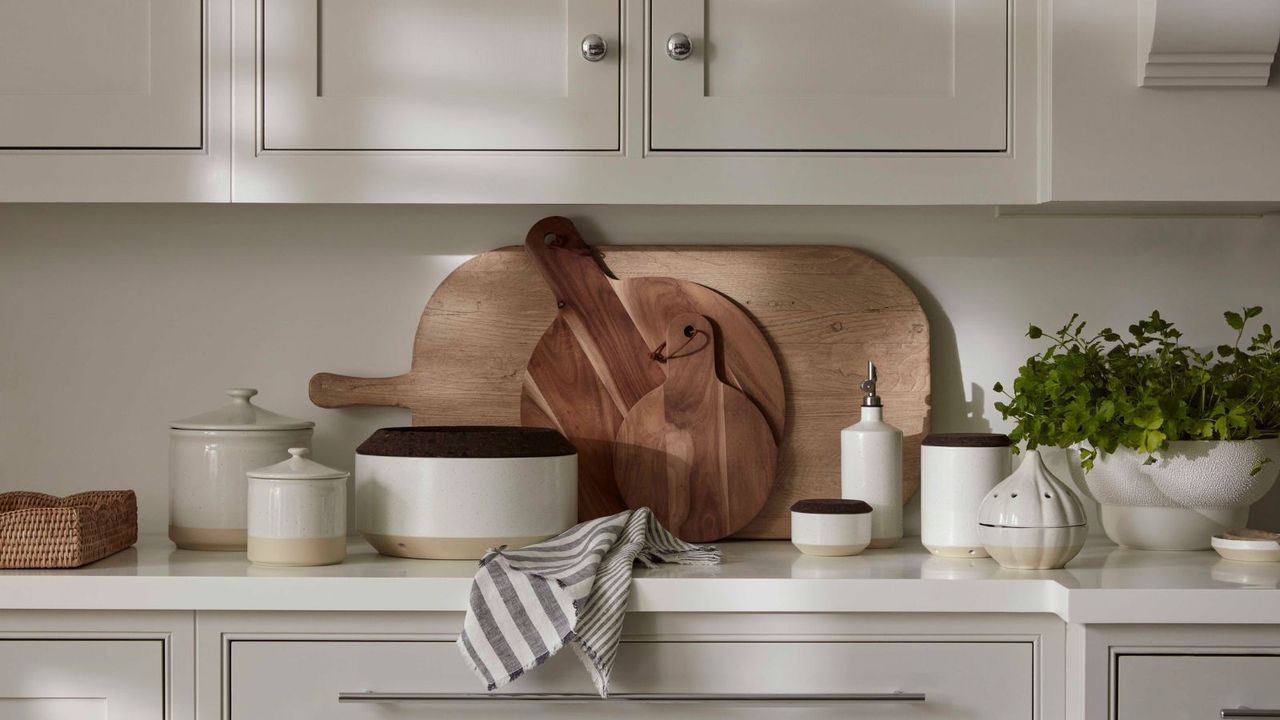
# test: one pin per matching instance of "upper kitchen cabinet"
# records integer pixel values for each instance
(829, 75)
(579, 101)
(113, 100)
(1166, 100)
(430, 75)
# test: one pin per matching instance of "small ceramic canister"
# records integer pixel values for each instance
(297, 513)
(1032, 521)
(831, 527)
(957, 471)
(209, 455)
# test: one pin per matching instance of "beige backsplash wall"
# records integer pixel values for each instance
(117, 319)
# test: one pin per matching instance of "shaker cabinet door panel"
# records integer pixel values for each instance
(82, 680)
(830, 75)
(1172, 686)
(114, 74)
(439, 75)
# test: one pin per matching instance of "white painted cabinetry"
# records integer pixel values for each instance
(113, 100)
(817, 75)
(439, 75)
(1205, 686)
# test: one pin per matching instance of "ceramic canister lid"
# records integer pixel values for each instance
(298, 467)
(967, 440)
(467, 441)
(831, 506)
(241, 414)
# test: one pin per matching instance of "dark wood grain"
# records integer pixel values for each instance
(593, 364)
(696, 450)
(825, 310)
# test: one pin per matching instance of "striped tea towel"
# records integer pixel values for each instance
(526, 604)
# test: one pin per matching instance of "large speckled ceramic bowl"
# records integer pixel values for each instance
(1194, 490)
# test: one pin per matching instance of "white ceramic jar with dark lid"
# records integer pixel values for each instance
(209, 455)
(957, 470)
(297, 513)
(831, 527)
(454, 492)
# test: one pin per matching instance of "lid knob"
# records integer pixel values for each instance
(242, 395)
(299, 452)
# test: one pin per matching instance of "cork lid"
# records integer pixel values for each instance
(831, 506)
(463, 441)
(967, 440)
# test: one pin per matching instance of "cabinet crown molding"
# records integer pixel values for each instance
(1207, 43)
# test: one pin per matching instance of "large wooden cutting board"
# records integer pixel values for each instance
(826, 310)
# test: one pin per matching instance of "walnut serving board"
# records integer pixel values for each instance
(825, 310)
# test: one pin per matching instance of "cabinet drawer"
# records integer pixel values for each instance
(82, 680)
(707, 679)
(103, 74)
(830, 75)
(1195, 686)
(439, 75)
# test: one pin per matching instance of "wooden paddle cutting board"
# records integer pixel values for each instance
(595, 362)
(695, 450)
(825, 310)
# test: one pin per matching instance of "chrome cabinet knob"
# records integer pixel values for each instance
(594, 48)
(679, 46)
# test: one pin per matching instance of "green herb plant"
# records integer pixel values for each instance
(1103, 391)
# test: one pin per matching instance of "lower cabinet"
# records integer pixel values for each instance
(1200, 686)
(363, 679)
(97, 666)
(81, 679)
(738, 666)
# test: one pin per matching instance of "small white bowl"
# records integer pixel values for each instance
(831, 528)
(1247, 550)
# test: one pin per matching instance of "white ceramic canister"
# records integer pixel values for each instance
(957, 470)
(297, 513)
(455, 492)
(209, 455)
(830, 527)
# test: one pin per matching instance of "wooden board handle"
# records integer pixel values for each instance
(338, 391)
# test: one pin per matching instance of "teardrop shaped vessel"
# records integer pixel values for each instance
(1032, 520)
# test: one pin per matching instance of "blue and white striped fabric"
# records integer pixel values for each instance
(526, 604)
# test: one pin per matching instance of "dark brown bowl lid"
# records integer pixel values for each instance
(466, 441)
(831, 506)
(967, 440)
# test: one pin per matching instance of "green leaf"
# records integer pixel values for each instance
(1234, 320)
(1226, 350)
(1035, 333)
(998, 387)
(1252, 312)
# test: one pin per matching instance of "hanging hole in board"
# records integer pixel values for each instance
(550, 239)
(688, 331)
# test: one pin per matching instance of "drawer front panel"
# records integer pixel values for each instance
(1195, 686)
(699, 680)
(82, 680)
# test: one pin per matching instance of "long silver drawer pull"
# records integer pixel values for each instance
(393, 697)
(1244, 712)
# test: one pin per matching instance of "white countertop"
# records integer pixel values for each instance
(1104, 584)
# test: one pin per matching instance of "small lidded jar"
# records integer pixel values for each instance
(830, 527)
(297, 513)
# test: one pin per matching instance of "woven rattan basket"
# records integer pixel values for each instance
(43, 531)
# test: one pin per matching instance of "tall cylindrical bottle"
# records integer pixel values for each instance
(871, 466)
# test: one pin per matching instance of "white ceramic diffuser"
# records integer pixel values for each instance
(1031, 520)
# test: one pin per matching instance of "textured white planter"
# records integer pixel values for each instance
(1194, 490)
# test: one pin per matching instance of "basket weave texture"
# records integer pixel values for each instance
(44, 531)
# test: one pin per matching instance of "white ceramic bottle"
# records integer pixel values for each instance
(871, 466)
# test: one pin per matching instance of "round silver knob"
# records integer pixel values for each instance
(679, 46)
(594, 48)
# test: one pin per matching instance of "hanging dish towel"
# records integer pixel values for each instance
(526, 604)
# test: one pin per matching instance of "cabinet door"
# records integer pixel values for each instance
(911, 75)
(439, 75)
(82, 680)
(1189, 686)
(100, 74)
